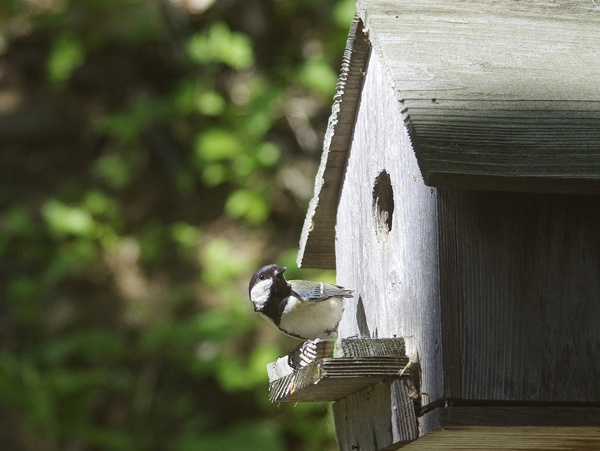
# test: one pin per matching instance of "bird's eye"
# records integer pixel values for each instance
(261, 277)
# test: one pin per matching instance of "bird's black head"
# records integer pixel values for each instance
(267, 283)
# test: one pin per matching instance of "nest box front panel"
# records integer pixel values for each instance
(386, 234)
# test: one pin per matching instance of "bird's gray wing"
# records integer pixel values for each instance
(319, 291)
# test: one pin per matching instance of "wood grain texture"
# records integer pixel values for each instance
(520, 287)
(364, 362)
(377, 418)
(523, 438)
(372, 347)
(333, 379)
(381, 416)
(395, 275)
(496, 94)
(317, 242)
(520, 416)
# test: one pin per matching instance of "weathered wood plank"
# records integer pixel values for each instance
(317, 243)
(332, 379)
(379, 417)
(498, 94)
(394, 273)
(520, 416)
(367, 347)
(520, 284)
(523, 438)
(363, 363)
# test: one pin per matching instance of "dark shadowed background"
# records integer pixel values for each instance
(153, 155)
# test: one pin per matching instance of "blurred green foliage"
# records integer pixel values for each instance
(154, 155)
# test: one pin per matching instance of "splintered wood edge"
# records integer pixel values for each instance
(350, 347)
(317, 241)
(333, 379)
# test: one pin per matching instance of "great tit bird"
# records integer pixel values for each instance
(298, 308)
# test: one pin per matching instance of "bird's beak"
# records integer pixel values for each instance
(280, 271)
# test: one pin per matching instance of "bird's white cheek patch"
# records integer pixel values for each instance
(260, 292)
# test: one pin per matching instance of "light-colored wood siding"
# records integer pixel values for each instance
(395, 275)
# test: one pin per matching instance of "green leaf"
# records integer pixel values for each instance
(317, 75)
(114, 170)
(249, 205)
(128, 124)
(222, 262)
(243, 166)
(214, 174)
(188, 238)
(70, 257)
(98, 203)
(186, 235)
(343, 13)
(220, 44)
(66, 220)
(217, 144)
(258, 123)
(210, 103)
(67, 54)
(268, 154)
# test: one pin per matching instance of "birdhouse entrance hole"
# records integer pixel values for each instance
(383, 205)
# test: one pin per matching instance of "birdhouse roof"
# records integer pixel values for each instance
(495, 95)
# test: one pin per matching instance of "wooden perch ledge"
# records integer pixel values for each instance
(364, 362)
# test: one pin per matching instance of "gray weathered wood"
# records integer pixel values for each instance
(379, 417)
(496, 95)
(520, 287)
(313, 350)
(395, 274)
(364, 362)
(519, 416)
(317, 243)
(499, 94)
(367, 347)
(496, 294)
(332, 379)
(517, 438)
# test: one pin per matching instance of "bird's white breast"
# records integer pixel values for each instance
(311, 319)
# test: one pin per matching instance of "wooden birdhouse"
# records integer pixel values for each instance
(459, 196)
